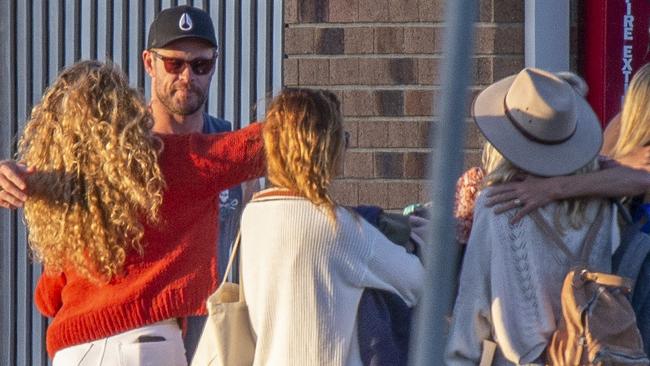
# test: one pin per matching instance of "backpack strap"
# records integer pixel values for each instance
(608, 280)
(489, 351)
(590, 239)
(587, 243)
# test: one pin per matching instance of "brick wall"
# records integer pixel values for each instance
(382, 57)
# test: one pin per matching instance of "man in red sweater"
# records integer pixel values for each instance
(180, 59)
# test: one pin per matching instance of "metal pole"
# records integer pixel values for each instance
(547, 34)
(440, 258)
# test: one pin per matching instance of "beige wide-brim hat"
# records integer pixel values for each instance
(539, 123)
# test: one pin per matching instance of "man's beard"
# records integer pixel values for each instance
(190, 106)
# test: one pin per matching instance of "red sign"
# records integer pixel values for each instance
(616, 45)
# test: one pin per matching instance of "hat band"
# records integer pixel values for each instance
(530, 136)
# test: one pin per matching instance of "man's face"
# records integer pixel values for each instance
(179, 86)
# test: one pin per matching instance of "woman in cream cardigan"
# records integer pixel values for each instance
(306, 259)
(512, 274)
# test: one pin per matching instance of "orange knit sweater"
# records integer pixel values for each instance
(177, 272)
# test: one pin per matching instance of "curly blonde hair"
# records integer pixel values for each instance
(499, 170)
(635, 117)
(304, 141)
(97, 176)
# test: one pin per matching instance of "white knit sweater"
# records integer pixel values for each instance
(511, 283)
(303, 279)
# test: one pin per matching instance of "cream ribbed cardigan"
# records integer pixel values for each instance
(511, 283)
(303, 279)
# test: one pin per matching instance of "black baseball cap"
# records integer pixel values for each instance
(180, 22)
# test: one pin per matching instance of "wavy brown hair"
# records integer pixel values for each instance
(97, 176)
(303, 139)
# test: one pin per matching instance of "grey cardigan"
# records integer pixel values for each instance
(511, 282)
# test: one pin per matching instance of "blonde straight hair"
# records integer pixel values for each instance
(635, 118)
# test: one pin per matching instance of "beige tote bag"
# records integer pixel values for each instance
(227, 338)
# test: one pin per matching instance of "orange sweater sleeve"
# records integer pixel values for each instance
(232, 157)
(224, 159)
(48, 293)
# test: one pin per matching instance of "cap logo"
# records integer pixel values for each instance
(185, 23)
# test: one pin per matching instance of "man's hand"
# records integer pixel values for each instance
(13, 188)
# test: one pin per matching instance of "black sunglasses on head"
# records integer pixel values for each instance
(199, 66)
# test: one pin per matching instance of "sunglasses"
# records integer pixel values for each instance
(199, 66)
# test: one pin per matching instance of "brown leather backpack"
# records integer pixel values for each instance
(598, 325)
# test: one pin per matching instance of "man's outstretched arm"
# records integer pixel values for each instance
(533, 193)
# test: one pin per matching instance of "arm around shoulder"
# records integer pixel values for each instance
(617, 181)
(534, 192)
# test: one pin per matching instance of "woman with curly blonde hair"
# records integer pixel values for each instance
(90, 141)
(123, 219)
(306, 259)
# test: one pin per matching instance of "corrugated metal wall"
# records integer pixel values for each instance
(40, 37)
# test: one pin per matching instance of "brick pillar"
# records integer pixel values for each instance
(381, 57)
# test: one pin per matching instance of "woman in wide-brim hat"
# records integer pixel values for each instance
(626, 141)
(511, 279)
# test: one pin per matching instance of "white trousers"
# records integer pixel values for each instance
(158, 344)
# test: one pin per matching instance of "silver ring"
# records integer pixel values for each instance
(517, 202)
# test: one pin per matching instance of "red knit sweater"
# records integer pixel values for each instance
(177, 272)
